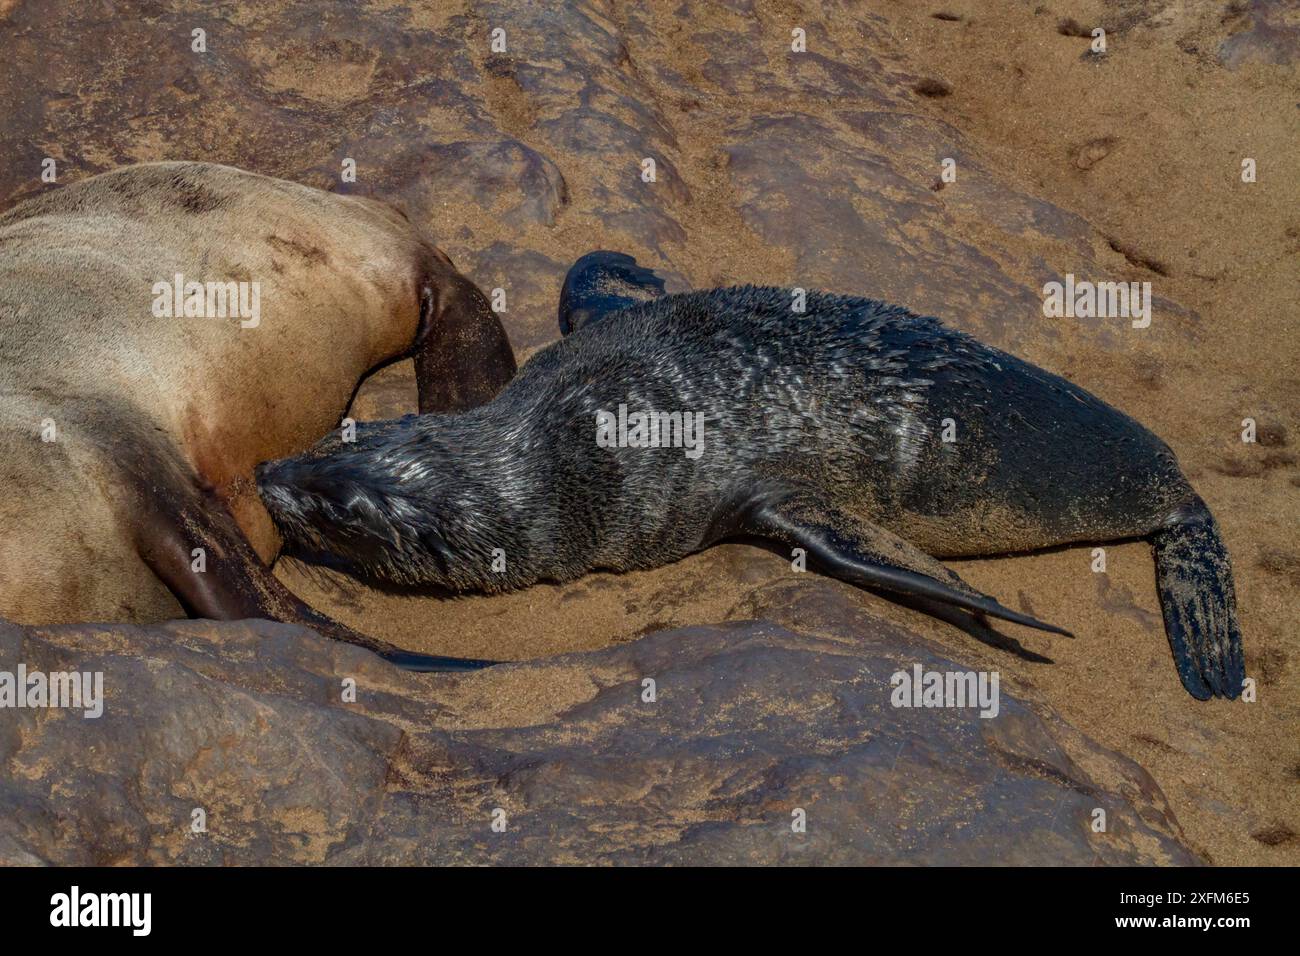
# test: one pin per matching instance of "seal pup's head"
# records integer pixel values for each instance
(396, 505)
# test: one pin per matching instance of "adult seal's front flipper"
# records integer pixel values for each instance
(865, 555)
(601, 283)
(463, 358)
(433, 664)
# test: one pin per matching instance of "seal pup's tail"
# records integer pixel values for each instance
(1194, 578)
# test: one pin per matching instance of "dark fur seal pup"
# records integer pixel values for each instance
(130, 437)
(822, 430)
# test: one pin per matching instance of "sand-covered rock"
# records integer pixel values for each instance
(750, 728)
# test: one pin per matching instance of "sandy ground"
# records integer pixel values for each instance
(1173, 128)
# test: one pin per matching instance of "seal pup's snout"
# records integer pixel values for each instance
(334, 510)
(275, 487)
(283, 498)
(264, 475)
(309, 506)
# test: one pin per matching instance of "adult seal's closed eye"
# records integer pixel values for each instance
(875, 439)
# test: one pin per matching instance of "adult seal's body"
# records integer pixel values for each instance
(824, 430)
(130, 426)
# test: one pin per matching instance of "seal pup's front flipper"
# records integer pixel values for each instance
(865, 555)
(175, 521)
(601, 283)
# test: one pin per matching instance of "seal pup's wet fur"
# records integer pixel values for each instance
(823, 431)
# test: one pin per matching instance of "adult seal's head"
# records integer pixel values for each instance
(875, 440)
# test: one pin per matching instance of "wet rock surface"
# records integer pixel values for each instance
(749, 724)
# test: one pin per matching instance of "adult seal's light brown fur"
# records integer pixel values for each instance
(129, 438)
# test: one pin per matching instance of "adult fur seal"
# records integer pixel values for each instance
(822, 430)
(130, 429)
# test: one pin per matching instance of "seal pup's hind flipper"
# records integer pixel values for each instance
(1194, 579)
(601, 283)
(865, 555)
